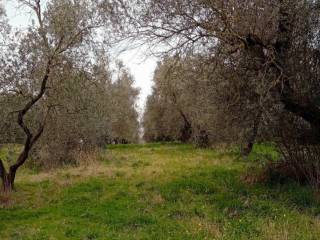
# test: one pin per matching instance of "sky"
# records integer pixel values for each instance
(140, 65)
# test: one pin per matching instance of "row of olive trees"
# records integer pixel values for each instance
(92, 110)
(264, 56)
(57, 90)
(186, 105)
(265, 53)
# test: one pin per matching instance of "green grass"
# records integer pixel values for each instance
(9, 153)
(158, 191)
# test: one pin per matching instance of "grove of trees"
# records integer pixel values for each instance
(236, 71)
(244, 71)
(58, 91)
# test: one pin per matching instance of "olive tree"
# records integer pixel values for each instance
(61, 29)
(266, 51)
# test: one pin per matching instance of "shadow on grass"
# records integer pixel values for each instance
(224, 189)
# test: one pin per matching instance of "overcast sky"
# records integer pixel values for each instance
(140, 66)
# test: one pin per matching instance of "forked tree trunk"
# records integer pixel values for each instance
(8, 177)
(253, 135)
(186, 131)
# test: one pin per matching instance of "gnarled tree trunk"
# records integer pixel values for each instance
(303, 107)
(252, 136)
(8, 178)
(186, 131)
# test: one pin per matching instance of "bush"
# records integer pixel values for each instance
(300, 154)
(302, 162)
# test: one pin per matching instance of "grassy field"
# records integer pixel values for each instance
(158, 191)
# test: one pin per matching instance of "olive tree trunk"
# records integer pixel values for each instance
(8, 177)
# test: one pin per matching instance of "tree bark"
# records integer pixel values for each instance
(8, 178)
(8, 183)
(253, 135)
(186, 130)
(305, 108)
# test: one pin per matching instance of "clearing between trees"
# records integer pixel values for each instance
(158, 191)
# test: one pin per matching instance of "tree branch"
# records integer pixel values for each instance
(30, 141)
